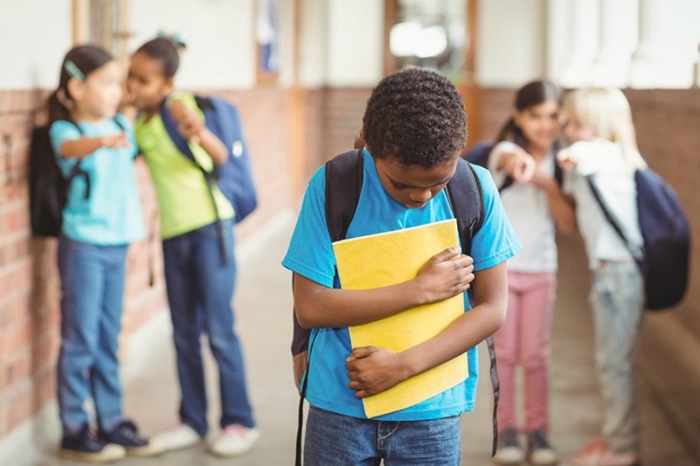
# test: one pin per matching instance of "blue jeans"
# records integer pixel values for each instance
(617, 299)
(334, 439)
(92, 289)
(200, 284)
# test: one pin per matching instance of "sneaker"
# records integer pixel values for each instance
(84, 445)
(539, 450)
(597, 453)
(178, 437)
(235, 440)
(509, 451)
(127, 435)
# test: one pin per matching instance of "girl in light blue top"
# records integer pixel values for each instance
(101, 217)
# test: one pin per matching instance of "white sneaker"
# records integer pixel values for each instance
(180, 436)
(509, 451)
(234, 440)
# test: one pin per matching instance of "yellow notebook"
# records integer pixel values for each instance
(386, 259)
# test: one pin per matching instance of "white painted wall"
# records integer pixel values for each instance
(34, 37)
(511, 42)
(313, 54)
(219, 34)
(355, 42)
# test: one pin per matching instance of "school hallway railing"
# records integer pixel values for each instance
(263, 309)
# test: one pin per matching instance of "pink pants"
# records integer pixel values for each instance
(524, 340)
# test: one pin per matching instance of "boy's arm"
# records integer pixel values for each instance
(373, 370)
(84, 146)
(442, 277)
(192, 128)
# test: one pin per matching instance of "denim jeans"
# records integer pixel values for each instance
(200, 283)
(92, 289)
(337, 440)
(617, 299)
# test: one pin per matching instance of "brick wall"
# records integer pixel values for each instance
(29, 284)
(332, 118)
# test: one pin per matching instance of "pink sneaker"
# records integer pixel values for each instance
(597, 453)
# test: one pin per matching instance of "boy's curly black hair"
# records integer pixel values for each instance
(416, 116)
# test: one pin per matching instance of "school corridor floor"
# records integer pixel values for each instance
(264, 305)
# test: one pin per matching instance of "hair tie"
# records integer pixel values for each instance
(73, 71)
(177, 39)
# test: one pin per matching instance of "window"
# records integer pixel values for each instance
(267, 41)
(103, 23)
(431, 34)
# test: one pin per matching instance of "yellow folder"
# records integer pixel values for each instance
(386, 259)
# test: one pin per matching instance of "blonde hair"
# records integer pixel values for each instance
(608, 112)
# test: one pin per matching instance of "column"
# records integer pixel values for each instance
(664, 58)
(583, 39)
(618, 39)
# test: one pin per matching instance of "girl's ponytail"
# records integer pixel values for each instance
(57, 108)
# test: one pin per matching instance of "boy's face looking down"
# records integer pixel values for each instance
(412, 185)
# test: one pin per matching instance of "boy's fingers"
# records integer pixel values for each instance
(359, 353)
(463, 262)
(446, 255)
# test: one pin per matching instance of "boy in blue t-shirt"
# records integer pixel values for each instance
(414, 127)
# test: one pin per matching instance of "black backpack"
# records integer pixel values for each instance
(665, 257)
(344, 177)
(48, 188)
(479, 154)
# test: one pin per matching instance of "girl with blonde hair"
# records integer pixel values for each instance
(603, 156)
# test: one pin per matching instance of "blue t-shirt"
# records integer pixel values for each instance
(311, 254)
(112, 214)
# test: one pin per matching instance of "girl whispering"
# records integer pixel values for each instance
(200, 276)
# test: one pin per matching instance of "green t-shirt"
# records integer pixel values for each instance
(183, 195)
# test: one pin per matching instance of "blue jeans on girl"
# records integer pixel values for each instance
(200, 284)
(92, 289)
(336, 440)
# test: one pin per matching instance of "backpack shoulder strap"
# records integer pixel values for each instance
(558, 174)
(344, 175)
(467, 199)
(171, 128)
(465, 194)
(613, 220)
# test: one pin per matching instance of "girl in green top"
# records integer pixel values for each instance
(199, 280)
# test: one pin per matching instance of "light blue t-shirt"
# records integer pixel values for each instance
(112, 214)
(311, 254)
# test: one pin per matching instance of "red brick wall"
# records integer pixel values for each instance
(29, 286)
(333, 116)
(494, 107)
(343, 110)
